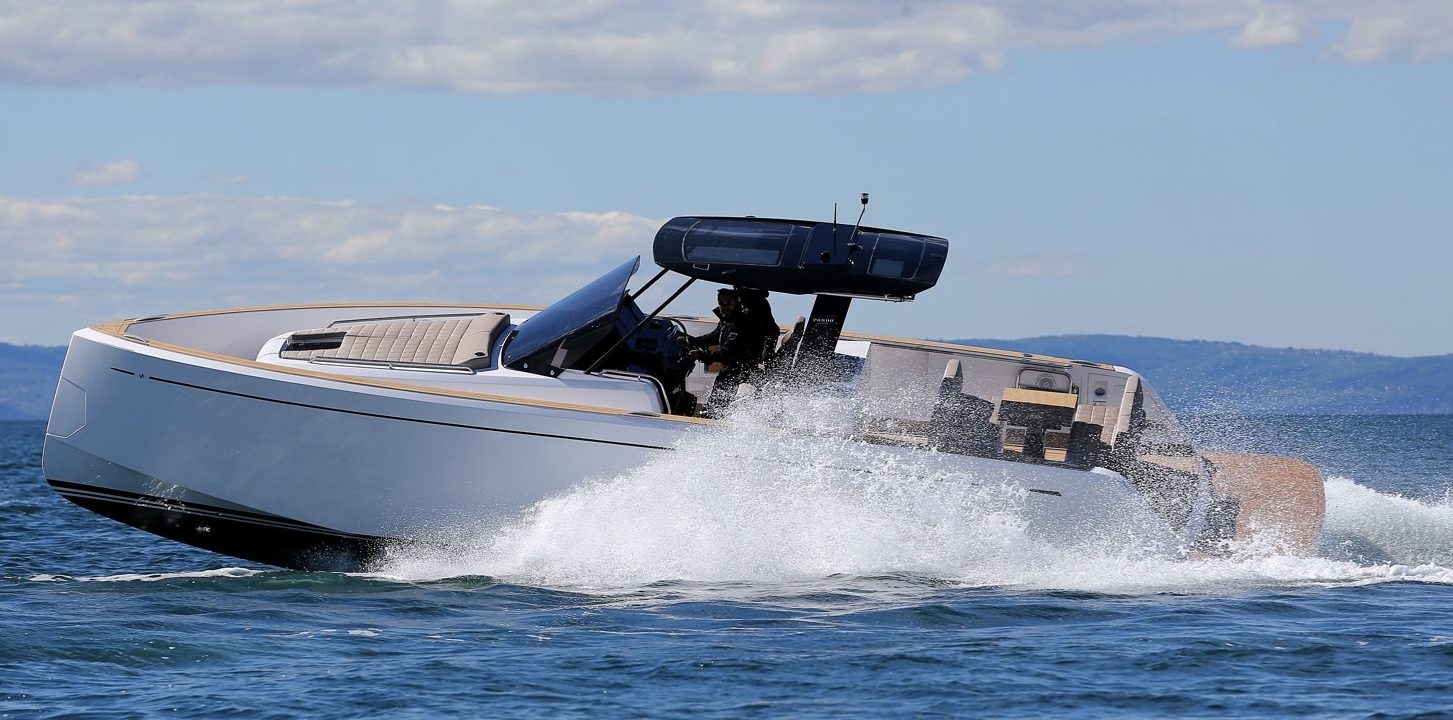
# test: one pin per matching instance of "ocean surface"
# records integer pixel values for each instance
(701, 587)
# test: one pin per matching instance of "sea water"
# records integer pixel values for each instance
(722, 580)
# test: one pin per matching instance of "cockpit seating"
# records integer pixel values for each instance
(1038, 415)
(464, 340)
(1087, 444)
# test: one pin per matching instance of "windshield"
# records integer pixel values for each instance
(558, 335)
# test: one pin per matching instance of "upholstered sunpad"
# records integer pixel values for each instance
(438, 341)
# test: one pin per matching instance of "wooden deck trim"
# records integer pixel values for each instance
(972, 350)
(1041, 397)
(326, 305)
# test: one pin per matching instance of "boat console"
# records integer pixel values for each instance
(600, 327)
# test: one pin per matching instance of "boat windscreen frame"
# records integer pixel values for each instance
(555, 337)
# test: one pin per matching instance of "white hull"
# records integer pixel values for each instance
(306, 470)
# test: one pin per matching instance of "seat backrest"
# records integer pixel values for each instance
(474, 346)
(787, 346)
(953, 376)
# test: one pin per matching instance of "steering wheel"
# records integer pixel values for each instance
(677, 352)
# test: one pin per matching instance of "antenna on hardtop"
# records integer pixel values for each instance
(853, 246)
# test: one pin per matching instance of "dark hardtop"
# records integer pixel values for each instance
(802, 257)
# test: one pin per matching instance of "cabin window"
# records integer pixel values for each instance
(737, 243)
(895, 256)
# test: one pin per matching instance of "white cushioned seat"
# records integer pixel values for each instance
(462, 340)
(479, 336)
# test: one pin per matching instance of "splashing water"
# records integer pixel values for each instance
(226, 572)
(753, 499)
(1366, 526)
(747, 500)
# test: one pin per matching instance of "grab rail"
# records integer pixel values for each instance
(392, 365)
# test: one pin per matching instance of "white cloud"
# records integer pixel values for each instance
(127, 256)
(1270, 27)
(645, 46)
(117, 172)
(1372, 38)
(17, 212)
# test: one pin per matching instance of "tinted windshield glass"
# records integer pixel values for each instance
(583, 311)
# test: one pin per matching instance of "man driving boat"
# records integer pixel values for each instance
(736, 343)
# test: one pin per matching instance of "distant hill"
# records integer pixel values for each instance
(28, 375)
(1190, 375)
(1226, 377)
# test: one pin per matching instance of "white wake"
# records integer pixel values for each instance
(739, 502)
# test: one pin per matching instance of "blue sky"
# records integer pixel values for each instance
(1266, 172)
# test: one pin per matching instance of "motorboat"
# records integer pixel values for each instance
(322, 436)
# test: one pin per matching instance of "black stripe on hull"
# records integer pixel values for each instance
(258, 537)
